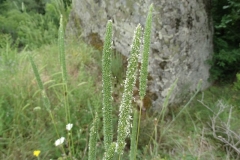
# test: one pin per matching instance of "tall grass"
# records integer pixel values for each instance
(45, 91)
(106, 79)
(125, 110)
(26, 124)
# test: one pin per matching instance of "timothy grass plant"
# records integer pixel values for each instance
(143, 73)
(106, 79)
(125, 110)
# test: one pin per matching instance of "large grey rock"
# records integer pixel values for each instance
(180, 45)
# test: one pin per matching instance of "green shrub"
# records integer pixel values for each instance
(8, 51)
(9, 22)
(36, 30)
(28, 25)
(226, 17)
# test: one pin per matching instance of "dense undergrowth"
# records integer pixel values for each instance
(31, 23)
(198, 132)
(226, 57)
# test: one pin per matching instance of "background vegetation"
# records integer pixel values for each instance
(226, 18)
(32, 23)
(206, 128)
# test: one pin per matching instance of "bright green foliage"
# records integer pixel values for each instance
(107, 87)
(146, 49)
(126, 107)
(226, 58)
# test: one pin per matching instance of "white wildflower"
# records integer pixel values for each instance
(59, 141)
(69, 126)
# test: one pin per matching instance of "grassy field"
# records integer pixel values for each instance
(204, 126)
(26, 126)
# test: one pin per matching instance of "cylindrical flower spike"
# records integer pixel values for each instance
(61, 48)
(125, 107)
(109, 154)
(107, 93)
(146, 49)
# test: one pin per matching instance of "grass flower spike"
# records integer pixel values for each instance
(125, 107)
(36, 153)
(59, 141)
(110, 152)
(146, 49)
(62, 50)
(107, 92)
(143, 75)
(69, 126)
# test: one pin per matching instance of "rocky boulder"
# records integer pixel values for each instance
(180, 45)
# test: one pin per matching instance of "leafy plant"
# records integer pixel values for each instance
(31, 26)
(226, 17)
(7, 52)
